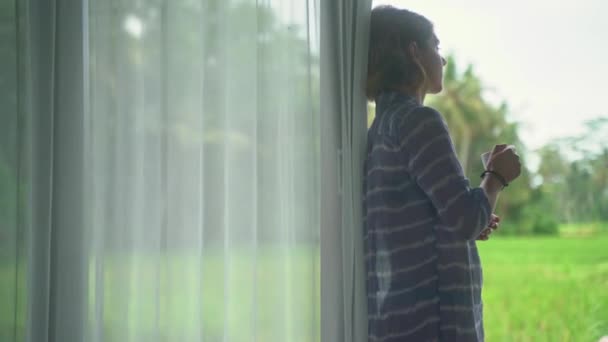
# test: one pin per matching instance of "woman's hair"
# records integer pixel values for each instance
(390, 65)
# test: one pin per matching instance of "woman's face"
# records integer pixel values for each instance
(433, 64)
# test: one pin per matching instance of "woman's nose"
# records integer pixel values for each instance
(443, 61)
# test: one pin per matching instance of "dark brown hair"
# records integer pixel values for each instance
(389, 63)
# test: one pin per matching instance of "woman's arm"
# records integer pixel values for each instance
(433, 164)
(491, 187)
(505, 166)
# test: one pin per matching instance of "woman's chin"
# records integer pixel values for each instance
(435, 90)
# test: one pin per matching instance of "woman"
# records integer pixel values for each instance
(422, 217)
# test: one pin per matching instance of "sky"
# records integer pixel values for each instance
(547, 59)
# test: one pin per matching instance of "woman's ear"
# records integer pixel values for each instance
(413, 51)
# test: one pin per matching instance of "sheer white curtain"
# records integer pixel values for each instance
(175, 182)
(344, 44)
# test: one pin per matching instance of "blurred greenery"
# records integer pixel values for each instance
(545, 289)
(198, 79)
(536, 289)
(137, 294)
(12, 182)
(177, 73)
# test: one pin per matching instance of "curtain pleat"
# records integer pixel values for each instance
(345, 27)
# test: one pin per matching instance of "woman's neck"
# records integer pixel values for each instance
(417, 94)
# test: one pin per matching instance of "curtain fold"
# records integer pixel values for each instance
(175, 183)
(345, 27)
(57, 92)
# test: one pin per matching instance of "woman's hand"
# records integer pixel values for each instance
(505, 161)
(492, 226)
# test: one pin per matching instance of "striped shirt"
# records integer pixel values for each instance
(421, 220)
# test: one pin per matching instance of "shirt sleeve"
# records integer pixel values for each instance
(431, 160)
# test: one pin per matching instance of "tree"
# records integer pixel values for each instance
(574, 171)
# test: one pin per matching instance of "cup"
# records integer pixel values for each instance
(485, 157)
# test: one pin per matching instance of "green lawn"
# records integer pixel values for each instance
(545, 289)
(535, 289)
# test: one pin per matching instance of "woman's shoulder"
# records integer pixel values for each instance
(422, 113)
(418, 116)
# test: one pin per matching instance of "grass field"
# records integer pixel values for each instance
(535, 289)
(545, 289)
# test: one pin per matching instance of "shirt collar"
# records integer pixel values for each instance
(386, 98)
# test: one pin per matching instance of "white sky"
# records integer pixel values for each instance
(548, 59)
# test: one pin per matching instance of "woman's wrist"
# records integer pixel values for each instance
(495, 175)
(491, 184)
